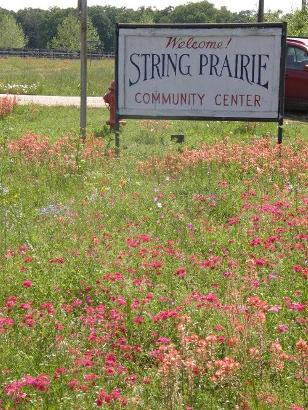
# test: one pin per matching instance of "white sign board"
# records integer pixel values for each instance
(219, 72)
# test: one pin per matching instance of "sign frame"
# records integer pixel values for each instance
(280, 111)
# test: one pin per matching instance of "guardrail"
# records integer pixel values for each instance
(38, 53)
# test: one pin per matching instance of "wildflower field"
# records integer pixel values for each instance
(170, 277)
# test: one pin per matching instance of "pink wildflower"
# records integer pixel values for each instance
(282, 328)
(181, 272)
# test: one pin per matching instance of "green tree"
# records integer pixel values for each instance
(201, 12)
(11, 34)
(103, 26)
(68, 35)
(145, 15)
(245, 16)
(273, 16)
(298, 23)
(40, 26)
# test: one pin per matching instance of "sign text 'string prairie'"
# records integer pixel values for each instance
(200, 71)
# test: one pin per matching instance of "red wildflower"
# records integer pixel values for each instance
(7, 105)
(165, 314)
(5, 322)
(27, 284)
(181, 272)
(282, 328)
(56, 260)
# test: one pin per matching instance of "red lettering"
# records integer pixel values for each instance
(172, 42)
(257, 100)
(190, 42)
(136, 98)
(218, 95)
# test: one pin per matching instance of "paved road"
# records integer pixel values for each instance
(95, 102)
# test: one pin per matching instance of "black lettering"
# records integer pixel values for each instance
(187, 72)
(163, 59)
(202, 63)
(130, 82)
(236, 66)
(244, 67)
(145, 77)
(225, 65)
(253, 68)
(262, 65)
(213, 64)
(155, 64)
(173, 64)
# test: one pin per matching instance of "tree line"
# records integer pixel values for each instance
(58, 28)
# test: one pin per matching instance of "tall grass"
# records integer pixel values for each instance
(53, 77)
(170, 277)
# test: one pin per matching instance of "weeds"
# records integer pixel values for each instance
(154, 280)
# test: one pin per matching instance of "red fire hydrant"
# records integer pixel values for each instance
(110, 100)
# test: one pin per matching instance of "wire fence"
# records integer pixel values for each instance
(39, 53)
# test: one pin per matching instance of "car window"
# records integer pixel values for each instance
(296, 58)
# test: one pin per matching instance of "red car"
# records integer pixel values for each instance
(296, 81)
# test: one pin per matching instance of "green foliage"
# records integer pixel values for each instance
(273, 16)
(47, 76)
(103, 25)
(41, 26)
(68, 35)
(11, 34)
(245, 16)
(202, 12)
(298, 24)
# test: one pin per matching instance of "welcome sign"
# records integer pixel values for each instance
(200, 71)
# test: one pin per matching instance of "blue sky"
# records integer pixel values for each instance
(233, 5)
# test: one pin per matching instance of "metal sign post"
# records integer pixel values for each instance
(83, 67)
(282, 86)
(261, 11)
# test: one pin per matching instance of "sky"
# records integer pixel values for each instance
(232, 5)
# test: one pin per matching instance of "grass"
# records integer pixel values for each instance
(58, 121)
(53, 77)
(169, 277)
